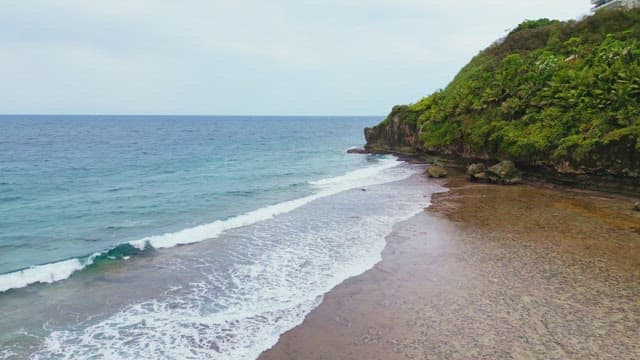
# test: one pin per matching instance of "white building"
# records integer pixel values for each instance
(612, 4)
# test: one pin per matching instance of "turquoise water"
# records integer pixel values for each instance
(71, 186)
(269, 211)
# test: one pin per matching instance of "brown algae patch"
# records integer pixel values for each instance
(613, 217)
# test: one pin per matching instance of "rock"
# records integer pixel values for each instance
(504, 172)
(394, 134)
(476, 172)
(636, 207)
(357, 151)
(435, 171)
(480, 177)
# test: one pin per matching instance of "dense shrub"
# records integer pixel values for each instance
(549, 90)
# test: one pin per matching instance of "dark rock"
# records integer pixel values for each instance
(619, 157)
(504, 172)
(394, 134)
(357, 151)
(435, 171)
(636, 207)
(476, 172)
(480, 177)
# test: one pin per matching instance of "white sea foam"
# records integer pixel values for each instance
(327, 187)
(282, 273)
(47, 273)
(352, 148)
(361, 177)
(8, 354)
(368, 176)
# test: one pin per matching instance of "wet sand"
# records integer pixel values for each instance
(490, 272)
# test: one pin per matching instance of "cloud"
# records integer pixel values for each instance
(277, 57)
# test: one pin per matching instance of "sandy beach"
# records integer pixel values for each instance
(490, 272)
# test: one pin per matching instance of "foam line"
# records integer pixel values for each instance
(52, 272)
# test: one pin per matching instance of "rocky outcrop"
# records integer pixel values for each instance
(436, 171)
(394, 134)
(636, 207)
(504, 172)
(477, 172)
(357, 151)
(617, 157)
(614, 166)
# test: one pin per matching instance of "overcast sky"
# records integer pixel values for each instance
(345, 57)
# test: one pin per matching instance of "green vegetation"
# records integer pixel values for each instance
(550, 92)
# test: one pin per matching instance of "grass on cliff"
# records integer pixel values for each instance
(549, 91)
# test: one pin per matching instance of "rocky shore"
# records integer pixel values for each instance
(486, 272)
(397, 137)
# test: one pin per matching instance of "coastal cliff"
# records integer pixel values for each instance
(395, 134)
(559, 98)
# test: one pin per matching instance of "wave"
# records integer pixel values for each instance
(47, 273)
(238, 304)
(52, 272)
(354, 178)
(61, 270)
(327, 187)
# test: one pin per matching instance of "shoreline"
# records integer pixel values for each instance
(533, 175)
(490, 272)
(230, 297)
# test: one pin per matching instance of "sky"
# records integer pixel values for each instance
(244, 57)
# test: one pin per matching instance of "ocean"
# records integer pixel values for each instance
(184, 237)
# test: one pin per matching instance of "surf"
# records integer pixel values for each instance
(60, 270)
(263, 282)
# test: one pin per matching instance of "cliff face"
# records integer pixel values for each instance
(563, 97)
(617, 158)
(393, 135)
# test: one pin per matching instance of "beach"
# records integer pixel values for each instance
(486, 272)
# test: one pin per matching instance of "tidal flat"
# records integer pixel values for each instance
(509, 272)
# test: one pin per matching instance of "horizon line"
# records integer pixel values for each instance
(190, 115)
